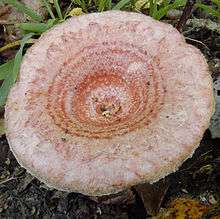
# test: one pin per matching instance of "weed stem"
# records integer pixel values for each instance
(186, 14)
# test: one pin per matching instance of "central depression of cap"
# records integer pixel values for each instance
(108, 100)
(106, 89)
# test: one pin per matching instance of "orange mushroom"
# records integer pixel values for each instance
(108, 100)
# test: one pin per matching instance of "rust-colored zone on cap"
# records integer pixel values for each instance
(108, 100)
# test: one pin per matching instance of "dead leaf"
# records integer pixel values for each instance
(152, 195)
(184, 208)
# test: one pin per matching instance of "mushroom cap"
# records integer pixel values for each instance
(108, 100)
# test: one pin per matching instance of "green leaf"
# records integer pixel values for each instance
(37, 27)
(57, 6)
(5, 69)
(33, 27)
(48, 6)
(208, 9)
(120, 4)
(24, 9)
(11, 78)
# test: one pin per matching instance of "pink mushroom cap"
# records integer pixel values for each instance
(108, 100)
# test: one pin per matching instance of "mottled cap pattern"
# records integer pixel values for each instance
(108, 100)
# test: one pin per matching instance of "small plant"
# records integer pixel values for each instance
(9, 71)
(158, 9)
(213, 10)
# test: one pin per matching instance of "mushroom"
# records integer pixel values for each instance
(106, 101)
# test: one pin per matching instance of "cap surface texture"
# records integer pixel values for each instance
(108, 100)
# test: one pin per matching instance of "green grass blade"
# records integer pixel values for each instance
(24, 9)
(96, 2)
(164, 10)
(109, 5)
(57, 6)
(48, 6)
(166, 3)
(82, 4)
(11, 78)
(33, 27)
(90, 2)
(153, 8)
(37, 27)
(208, 9)
(69, 8)
(120, 4)
(5, 69)
(102, 5)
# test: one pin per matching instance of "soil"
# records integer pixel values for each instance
(23, 196)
